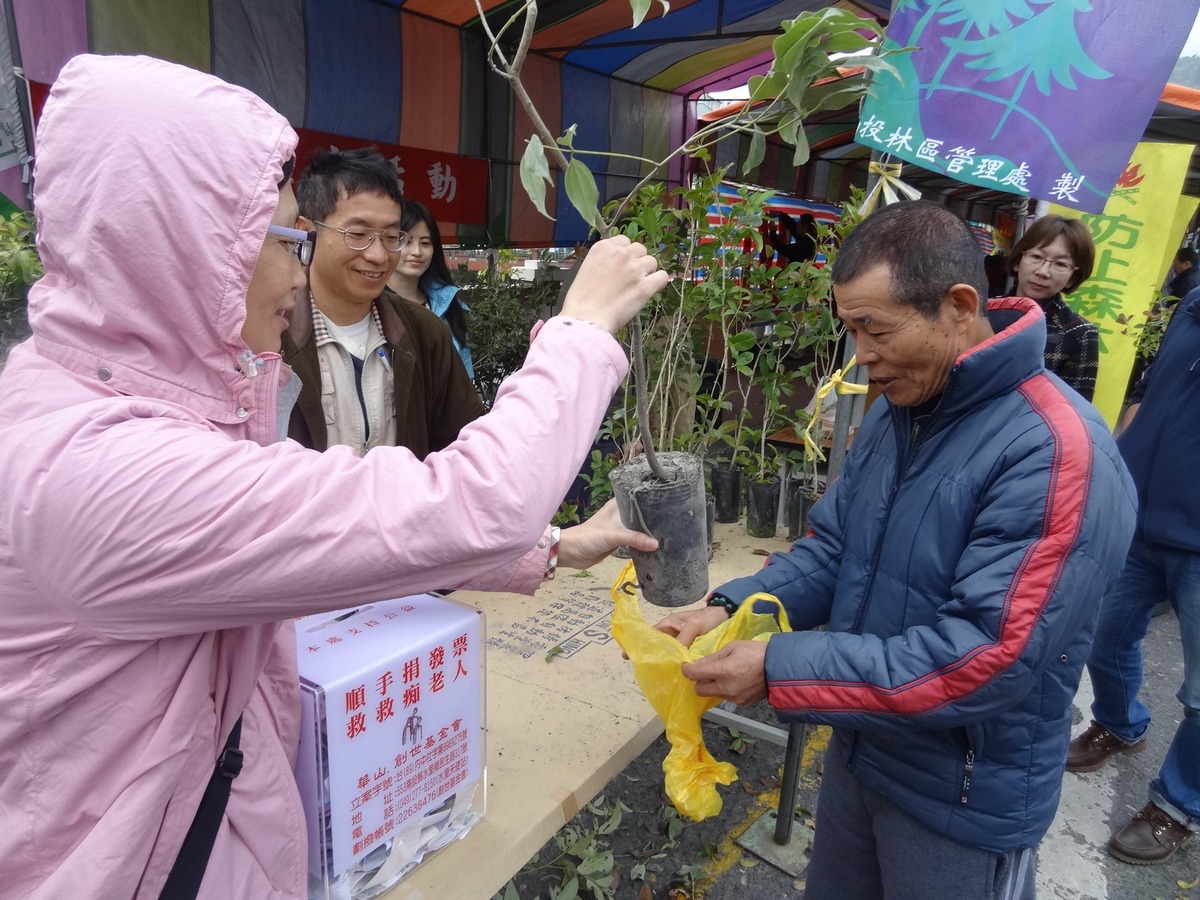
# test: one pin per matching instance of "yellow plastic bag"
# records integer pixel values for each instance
(692, 774)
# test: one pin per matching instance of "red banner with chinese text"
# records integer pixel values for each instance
(453, 187)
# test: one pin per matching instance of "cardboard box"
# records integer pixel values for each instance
(391, 764)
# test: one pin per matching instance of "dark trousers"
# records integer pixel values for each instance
(866, 848)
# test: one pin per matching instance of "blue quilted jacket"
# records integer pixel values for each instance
(1162, 444)
(958, 562)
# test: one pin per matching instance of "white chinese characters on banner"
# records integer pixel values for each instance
(957, 160)
(442, 182)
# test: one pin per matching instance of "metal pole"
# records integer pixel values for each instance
(798, 733)
(785, 812)
(1021, 213)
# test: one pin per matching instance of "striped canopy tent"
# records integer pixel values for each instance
(411, 76)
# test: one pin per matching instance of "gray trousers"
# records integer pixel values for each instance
(866, 848)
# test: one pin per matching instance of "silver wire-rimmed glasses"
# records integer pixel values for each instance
(393, 239)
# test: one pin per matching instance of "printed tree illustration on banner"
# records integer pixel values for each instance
(985, 17)
(986, 53)
(1045, 46)
(1012, 39)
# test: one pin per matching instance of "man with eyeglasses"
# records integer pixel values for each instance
(375, 372)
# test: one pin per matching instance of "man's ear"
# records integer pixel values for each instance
(963, 303)
(304, 223)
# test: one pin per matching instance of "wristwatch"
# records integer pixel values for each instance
(724, 602)
(552, 561)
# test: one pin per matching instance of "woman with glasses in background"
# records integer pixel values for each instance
(1053, 256)
(423, 277)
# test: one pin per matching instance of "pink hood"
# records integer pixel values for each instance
(177, 208)
(153, 534)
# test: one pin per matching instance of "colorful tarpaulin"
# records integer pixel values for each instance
(1136, 230)
(413, 75)
(729, 192)
(1041, 98)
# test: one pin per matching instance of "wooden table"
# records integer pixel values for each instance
(558, 731)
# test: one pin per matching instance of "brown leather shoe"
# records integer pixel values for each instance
(1151, 837)
(1091, 750)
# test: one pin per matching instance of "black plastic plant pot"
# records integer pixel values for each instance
(674, 512)
(762, 506)
(800, 498)
(710, 518)
(727, 493)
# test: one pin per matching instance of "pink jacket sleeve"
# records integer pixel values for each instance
(144, 522)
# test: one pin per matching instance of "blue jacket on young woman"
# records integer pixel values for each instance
(1162, 444)
(440, 298)
(958, 562)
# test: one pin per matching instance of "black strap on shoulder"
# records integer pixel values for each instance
(184, 881)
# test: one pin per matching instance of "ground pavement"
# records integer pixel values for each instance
(656, 854)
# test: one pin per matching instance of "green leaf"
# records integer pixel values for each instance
(568, 137)
(581, 848)
(510, 892)
(801, 155)
(612, 823)
(766, 87)
(602, 862)
(570, 890)
(758, 150)
(535, 174)
(640, 8)
(848, 42)
(742, 341)
(554, 651)
(675, 826)
(796, 32)
(692, 872)
(582, 190)
(600, 886)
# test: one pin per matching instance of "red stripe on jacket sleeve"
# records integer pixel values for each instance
(1033, 584)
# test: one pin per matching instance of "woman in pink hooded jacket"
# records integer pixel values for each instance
(155, 533)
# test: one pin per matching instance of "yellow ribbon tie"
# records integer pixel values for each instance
(886, 185)
(837, 381)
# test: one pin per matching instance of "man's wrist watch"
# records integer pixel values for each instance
(725, 603)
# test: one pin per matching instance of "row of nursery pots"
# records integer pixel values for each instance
(733, 493)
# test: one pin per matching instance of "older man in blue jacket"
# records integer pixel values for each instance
(1161, 445)
(957, 563)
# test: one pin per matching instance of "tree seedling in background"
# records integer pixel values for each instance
(803, 79)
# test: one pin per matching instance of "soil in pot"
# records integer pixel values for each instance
(762, 507)
(674, 512)
(727, 493)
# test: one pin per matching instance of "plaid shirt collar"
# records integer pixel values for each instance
(321, 331)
